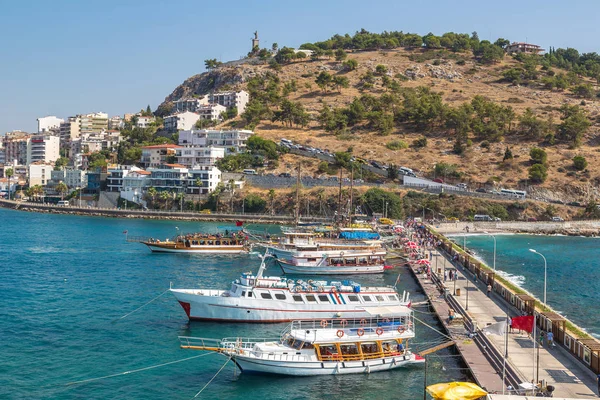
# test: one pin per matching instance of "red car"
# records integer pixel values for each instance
(438, 180)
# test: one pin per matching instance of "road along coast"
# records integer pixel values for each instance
(590, 228)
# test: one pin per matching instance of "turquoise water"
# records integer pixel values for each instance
(66, 280)
(573, 270)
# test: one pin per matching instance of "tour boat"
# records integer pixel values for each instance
(254, 298)
(231, 243)
(326, 347)
(351, 262)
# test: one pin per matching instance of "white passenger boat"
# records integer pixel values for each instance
(328, 347)
(352, 262)
(231, 243)
(254, 298)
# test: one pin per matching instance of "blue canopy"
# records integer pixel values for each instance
(359, 235)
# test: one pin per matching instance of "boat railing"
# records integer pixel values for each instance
(197, 343)
(357, 326)
(243, 343)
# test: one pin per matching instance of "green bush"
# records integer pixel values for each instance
(538, 173)
(538, 156)
(396, 145)
(420, 143)
(580, 163)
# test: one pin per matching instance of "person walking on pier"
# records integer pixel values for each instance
(489, 289)
(598, 377)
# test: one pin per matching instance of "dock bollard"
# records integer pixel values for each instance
(458, 291)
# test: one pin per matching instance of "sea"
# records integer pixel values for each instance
(572, 271)
(86, 315)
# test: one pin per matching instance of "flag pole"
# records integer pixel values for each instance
(534, 343)
(505, 354)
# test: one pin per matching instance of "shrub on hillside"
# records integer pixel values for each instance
(580, 163)
(396, 145)
(538, 173)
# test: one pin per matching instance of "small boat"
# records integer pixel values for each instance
(254, 298)
(351, 262)
(231, 243)
(326, 347)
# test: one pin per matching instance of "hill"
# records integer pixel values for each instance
(436, 83)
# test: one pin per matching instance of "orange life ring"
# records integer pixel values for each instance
(360, 332)
(363, 322)
(324, 323)
(344, 323)
(401, 329)
(379, 331)
(340, 333)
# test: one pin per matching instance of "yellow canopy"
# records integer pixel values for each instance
(456, 391)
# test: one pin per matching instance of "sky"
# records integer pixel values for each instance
(65, 57)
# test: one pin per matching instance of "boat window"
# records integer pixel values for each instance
(363, 260)
(369, 348)
(202, 242)
(393, 297)
(210, 242)
(327, 350)
(280, 296)
(349, 349)
(297, 344)
(243, 293)
(336, 261)
(353, 297)
(324, 298)
(266, 296)
(311, 260)
(366, 298)
(351, 261)
(310, 297)
(379, 298)
(306, 345)
(225, 242)
(250, 294)
(217, 242)
(389, 346)
(298, 298)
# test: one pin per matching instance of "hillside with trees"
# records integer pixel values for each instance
(421, 101)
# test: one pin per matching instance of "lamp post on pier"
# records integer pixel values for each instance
(545, 271)
(493, 237)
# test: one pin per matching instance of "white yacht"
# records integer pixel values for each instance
(351, 262)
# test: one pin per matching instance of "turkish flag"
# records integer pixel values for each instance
(523, 323)
(239, 223)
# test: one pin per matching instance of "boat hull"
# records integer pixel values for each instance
(157, 248)
(232, 309)
(250, 364)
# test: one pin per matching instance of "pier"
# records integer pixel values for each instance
(484, 354)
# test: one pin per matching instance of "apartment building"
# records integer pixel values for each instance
(211, 112)
(189, 104)
(233, 141)
(134, 185)
(49, 124)
(208, 176)
(144, 121)
(156, 155)
(182, 121)
(94, 122)
(73, 178)
(43, 148)
(39, 173)
(15, 145)
(171, 177)
(116, 176)
(69, 130)
(192, 156)
(232, 99)
(521, 47)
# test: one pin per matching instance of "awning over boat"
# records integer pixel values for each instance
(388, 311)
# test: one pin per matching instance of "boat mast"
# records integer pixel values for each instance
(263, 264)
(298, 195)
(340, 197)
(350, 211)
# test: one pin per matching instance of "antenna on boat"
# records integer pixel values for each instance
(263, 264)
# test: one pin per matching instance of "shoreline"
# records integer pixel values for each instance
(152, 214)
(583, 228)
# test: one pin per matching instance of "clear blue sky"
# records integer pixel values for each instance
(67, 57)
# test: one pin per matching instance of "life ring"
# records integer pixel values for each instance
(401, 329)
(363, 322)
(344, 323)
(379, 331)
(340, 333)
(320, 289)
(360, 332)
(297, 288)
(333, 290)
(309, 288)
(324, 323)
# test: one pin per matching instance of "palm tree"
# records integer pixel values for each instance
(164, 196)
(199, 184)
(62, 189)
(271, 196)
(38, 191)
(151, 194)
(231, 188)
(9, 173)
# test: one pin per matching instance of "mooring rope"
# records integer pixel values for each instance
(432, 328)
(211, 379)
(135, 370)
(139, 308)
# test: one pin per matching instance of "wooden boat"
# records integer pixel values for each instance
(326, 347)
(254, 298)
(233, 243)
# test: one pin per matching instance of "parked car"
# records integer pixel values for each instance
(574, 203)
(438, 180)
(285, 175)
(557, 219)
(481, 190)
(531, 219)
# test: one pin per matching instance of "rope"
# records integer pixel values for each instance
(432, 328)
(135, 370)
(211, 379)
(139, 308)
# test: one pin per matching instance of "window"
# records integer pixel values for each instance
(250, 294)
(266, 296)
(280, 296)
(369, 348)
(243, 293)
(297, 298)
(353, 297)
(393, 297)
(586, 355)
(379, 298)
(310, 297)
(366, 298)
(347, 349)
(324, 298)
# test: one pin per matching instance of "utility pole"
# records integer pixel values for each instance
(298, 196)
(350, 211)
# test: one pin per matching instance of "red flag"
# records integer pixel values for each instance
(239, 223)
(523, 323)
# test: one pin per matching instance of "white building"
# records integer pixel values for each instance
(115, 123)
(114, 180)
(49, 123)
(238, 100)
(15, 145)
(156, 155)
(134, 185)
(192, 156)
(2, 153)
(209, 176)
(144, 121)
(43, 148)
(94, 122)
(39, 173)
(69, 130)
(233, 141)
(182, 121)
(189, 104)
(211, 112)
(73, 178)
(169, 177)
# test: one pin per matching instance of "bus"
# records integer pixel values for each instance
(249, 172)
(521, 194)
(481, 217)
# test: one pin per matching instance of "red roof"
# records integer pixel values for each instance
(175, 165)
(141, 172)
(162, 146)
